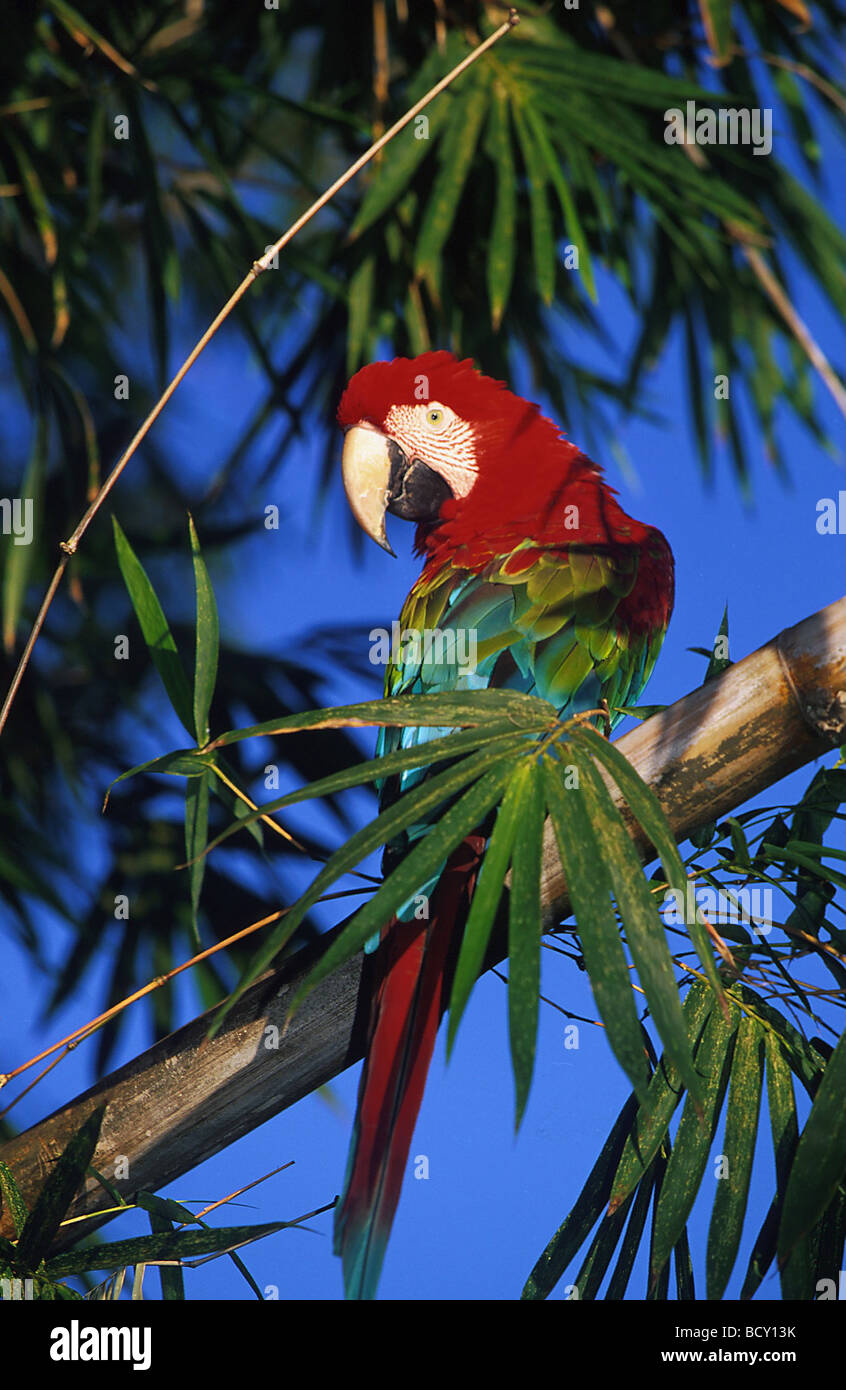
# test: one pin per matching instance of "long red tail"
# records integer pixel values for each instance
(407, 1005)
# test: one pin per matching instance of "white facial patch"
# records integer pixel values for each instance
(433, 433)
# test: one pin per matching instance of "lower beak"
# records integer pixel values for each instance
(366, 470)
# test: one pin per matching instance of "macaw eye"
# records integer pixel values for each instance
(436, 417)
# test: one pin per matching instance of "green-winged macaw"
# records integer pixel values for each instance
(526, 548)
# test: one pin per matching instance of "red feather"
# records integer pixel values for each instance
(408, 1002)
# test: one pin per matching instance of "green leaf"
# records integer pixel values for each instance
(585, 1213)
(820, 1159)
(742, 856)
(640, 712)
(573, 226)
(589, 887)
(196, 836)
(742, 1109)
(803, 1058)
(360, 303)
(555, 59)
(171, 1211)
(177, 1245)
(58, 1192)
(543, 241)
(173, 1283)
(598, 1258)
(405, 711)
(718, 664)
(10, 1197)
(417, 866)
(524, 935)
(646, 810)
(155, 629)
(784, 1124)
(182, 762)
(405, 153)
(789, 855)
(486, 898)
(692, 1143)
(502, 245)
(685, 1288)
(35, 195)
(664, 1094)
(376, 770)
(456, 154)
(631, 1242)
(207, 640)
(645, 932)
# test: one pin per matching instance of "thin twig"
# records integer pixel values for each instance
(80, 1034)
(239, 1191)
(257, 268)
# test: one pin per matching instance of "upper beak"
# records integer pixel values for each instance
(366, 469)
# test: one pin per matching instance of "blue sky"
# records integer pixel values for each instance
(492, 1200)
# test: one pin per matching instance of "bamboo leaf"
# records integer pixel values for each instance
(663, 1095)
(11, 1199)
(543, 241)
(406, 152)
(686, 1164)
(154, 628)
(820, 1160)
(646, 810)
(742, 1109)
(456, 154)
(631, 1241)
(524, 935)
(196, 837)
(406, 711)
(377, 770)
(182, 762)
(58, 1192)
(207, 640)
(178, 1245)
(36, 196)
(645, 932)
(589, 887)
(486, 898)
(360, 302)
(172, 1280)
(502, 245)
(685, 1289)
(572, 224)
(603, 1245)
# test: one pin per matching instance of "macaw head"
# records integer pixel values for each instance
(430, 438)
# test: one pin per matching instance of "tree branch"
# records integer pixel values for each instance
(187, 1098)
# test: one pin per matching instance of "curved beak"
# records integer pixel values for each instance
(366, 469)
